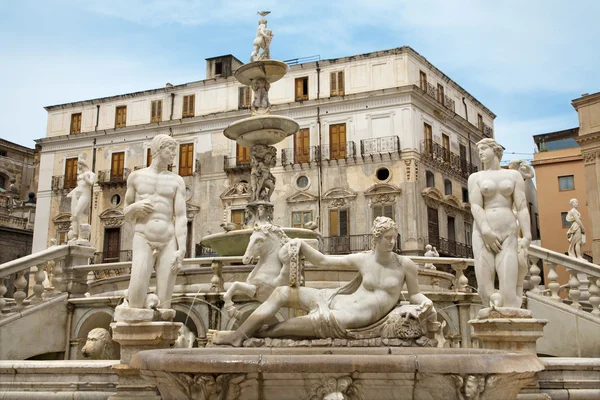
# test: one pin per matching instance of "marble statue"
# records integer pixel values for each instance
(99, 345)
(261, 104)
(155, 204)
(80, 198)
(367, 299)
(472, 386)
(185, 338)
(524, 168)
(262, 40)
(576, 232)
(430, 251)
(262, 181)
(267, 245)
(493, 193)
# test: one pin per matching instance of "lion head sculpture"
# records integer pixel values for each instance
(99, 345)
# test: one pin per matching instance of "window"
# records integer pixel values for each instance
(2, 153)
(382, 174)
(429, 179)
(115, 200)
(446, 144)
(302, 146)
(301, 85)
(148, 157)
(338, 222)
(121, 117)
(188, 106)
(447, 187)
(468, 234)
(302, 181)
(299, 218)
(70, 173)
(337, 141)
(62, 237)
(465, 195)
(451, 229)
(245, 98)
(383, 211)
(565, 223)
(480, 122)
(463, 157)
(117, 166)
(75, 123)
(218, 68)
(423, 81)
(186, 159)
(336, 82)
(156, 111)
(428, 134)
(440, 93)
(112, 245)
(242, 155)
(237, 217)
(188, 239)
(566, 182)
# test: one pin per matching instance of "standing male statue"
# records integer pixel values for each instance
(155, 203)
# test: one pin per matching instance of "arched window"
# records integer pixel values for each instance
(430, 179)
(447, 187)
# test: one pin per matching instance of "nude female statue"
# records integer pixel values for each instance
(493, 193)
(371, 295)
(155, 203)
(576, 232)
(80, 197)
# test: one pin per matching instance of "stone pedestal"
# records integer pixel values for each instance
(507, 329)
(133, 338)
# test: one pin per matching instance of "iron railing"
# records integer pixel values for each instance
(386, 144)
(111, 176)
(60, 182)
(111, 257)
(352, 244)
(300, 155)
(232, 163)
(451, 248)
(444, 158)
(338, 151)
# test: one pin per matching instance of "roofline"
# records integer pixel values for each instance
(15, 146)
(223, 56)
(557, 135)
(379, 53)
(585, 98)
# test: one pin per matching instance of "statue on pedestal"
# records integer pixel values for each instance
(576, 232)
(155, 204)
(430, 251)
(493, 193)
(262, 181)
(80, 198)
(262, 40)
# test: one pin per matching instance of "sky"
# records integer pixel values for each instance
(526, 60)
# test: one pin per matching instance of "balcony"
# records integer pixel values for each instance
(233, 164)
(301, 155)
(381, 145)
(439, 156)
(62, 182)
(451, 248)
(338, 151)
(113, 177)
(352, 244)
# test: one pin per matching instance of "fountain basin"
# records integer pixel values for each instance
(362, 373)
(270, 70)
(234, 243)
(262, 129)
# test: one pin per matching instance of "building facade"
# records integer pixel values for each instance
(588, 109)
(384, 133)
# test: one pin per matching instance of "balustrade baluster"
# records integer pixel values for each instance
(553, 284)
(574, 292)
(594, 290)
(535, 271)
(3, 290)
(461, 281)
(20, 285)
(57, 276)
(38, 288)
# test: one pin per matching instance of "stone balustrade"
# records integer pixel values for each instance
(583, 283)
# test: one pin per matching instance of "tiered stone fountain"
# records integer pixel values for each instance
(258, 133)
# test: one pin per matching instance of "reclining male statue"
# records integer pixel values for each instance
(336, 313)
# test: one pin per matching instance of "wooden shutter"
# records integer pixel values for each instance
(343, 222)
(188, 240)
(337, 141)
(186, 159)
(237, 217)
(242, 155)
(244, 97)
(480, 122)
(121, 117)
(112, 245)
(446, 145)
(117, 165)
(76, 123)
(148, 157)
(433, 229)
(334, 223)
(299, 87)
(423, 80)
(188, 106)
(333, 83)
(302, 146)
(156, 111)
(70, 173)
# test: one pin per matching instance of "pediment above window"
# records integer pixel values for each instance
(112, 217)
(382, 193)
(301, 197)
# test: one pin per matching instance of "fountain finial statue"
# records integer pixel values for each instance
(493, 193)
(262, 40)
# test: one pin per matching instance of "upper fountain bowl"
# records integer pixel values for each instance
(261, 129)
(270, 70)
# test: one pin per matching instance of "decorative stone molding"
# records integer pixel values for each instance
(589, 157)
(407, 162)
(241, 190)
(301, 197)
(338, 197)
(330, 388)
(382, 193)
(191, 211)
(112, 217)
(173, 385)
(62, 222)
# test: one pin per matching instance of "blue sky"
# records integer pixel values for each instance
(525, 60)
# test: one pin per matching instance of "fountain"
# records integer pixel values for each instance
(359, 341)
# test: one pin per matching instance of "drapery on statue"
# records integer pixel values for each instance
(493, 193)
(262, 181)
(576, 232)
(262, 40)
(155, 204)
(368, 298)
(80, 197)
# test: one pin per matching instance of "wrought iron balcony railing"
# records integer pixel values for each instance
(445, 158)
(300, 155)
(233, 163)
(451, 248)
(115, 177)
(386, 144)
(352, 244)
(63, 182)
(338, 151)
(111, 257)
